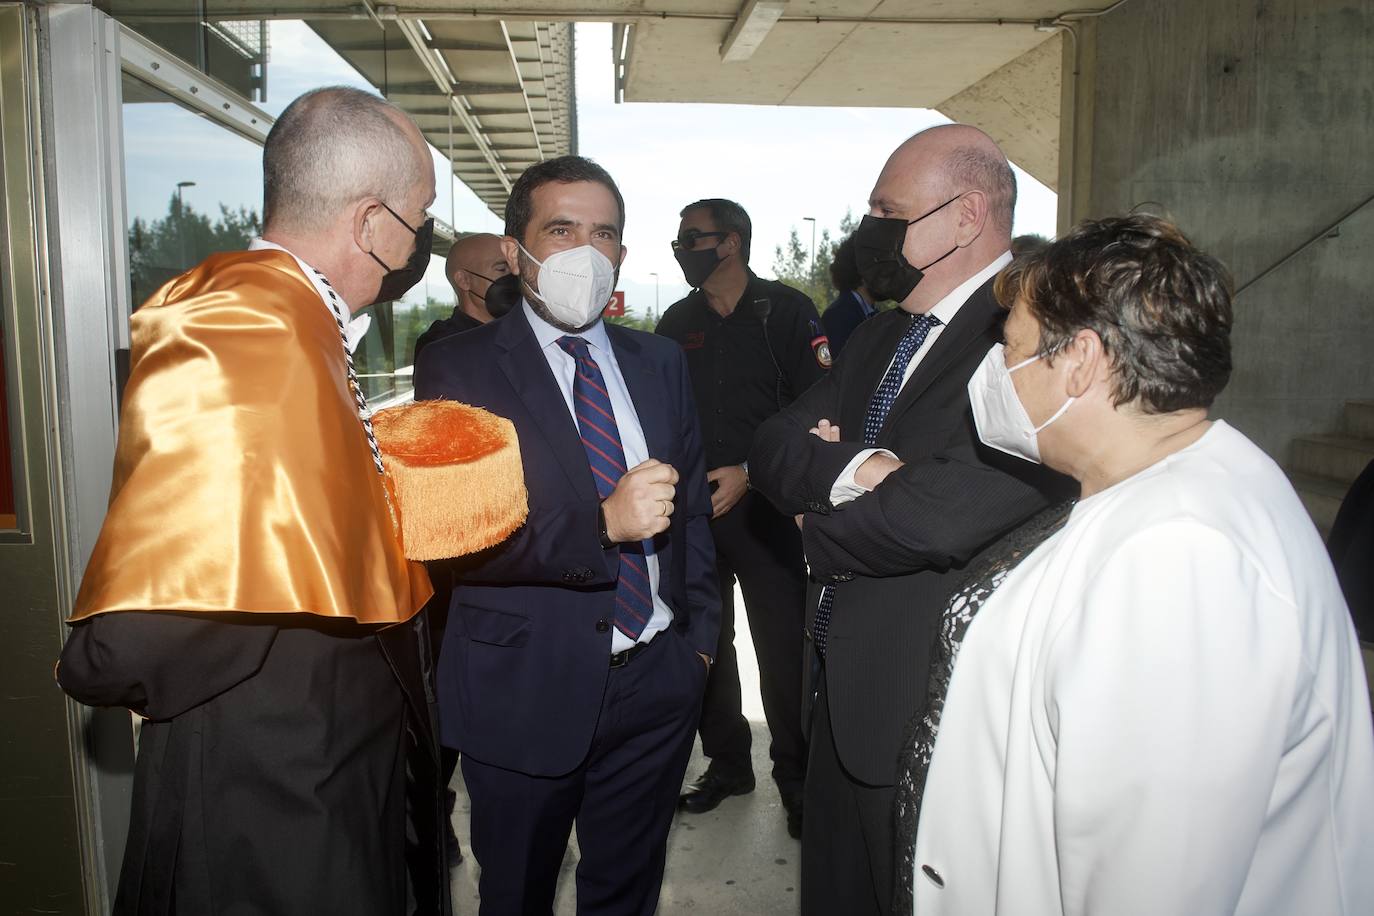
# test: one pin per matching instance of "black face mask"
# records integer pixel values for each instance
(697, 266)
(396, 282)
(885, 271)
(503, 294)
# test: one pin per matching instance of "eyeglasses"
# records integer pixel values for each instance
(688, 240)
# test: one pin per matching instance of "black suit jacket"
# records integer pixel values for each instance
(524, 661)
(456, 323)
(895, 554)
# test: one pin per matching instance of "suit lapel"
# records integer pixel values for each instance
(645, 388)
(529, 374)
(979, 313)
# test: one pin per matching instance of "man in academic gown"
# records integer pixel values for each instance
(248, 594)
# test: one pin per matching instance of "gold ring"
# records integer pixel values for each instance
(665, 507)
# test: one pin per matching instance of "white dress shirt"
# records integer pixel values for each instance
(354, 328)
(1160, 712)
(845, 487)
(627, 422)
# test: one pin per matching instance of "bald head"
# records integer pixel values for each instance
(953, 159)
(473, 263)
(955, 192)
(333, 147)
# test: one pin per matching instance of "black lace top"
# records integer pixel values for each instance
(918, 745)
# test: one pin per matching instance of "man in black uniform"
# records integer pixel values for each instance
(752, 347)
(475, 267)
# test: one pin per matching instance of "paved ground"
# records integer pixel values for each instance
(735, 861)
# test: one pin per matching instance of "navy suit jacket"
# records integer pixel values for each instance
(525, 656)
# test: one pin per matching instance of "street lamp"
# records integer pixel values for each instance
(180, 185)
(812, 221)
(181, 215)
(654, 274)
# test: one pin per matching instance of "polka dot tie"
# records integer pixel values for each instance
(878, 409)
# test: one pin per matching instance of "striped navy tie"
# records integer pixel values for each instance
(606, 456)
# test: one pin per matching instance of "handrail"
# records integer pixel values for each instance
(1303, 247)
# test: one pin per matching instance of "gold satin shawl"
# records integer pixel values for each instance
(243, 481)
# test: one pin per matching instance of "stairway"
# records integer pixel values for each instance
(1322, 471)
(1324, 466)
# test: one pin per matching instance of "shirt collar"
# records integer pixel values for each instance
(354, 328)
(948, 307)
(548, 335)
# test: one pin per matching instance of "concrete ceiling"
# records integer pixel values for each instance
(503, 69)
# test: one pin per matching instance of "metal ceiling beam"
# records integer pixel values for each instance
(534, 128)
(437, 44)
(435, 65)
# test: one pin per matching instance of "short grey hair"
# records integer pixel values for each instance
(970, 168)
(330, 148)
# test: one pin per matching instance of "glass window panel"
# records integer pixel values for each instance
(8, 518)
(192, 188)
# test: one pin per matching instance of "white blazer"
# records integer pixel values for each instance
(1161, 711)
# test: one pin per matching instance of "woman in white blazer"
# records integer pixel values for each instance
(1152, 702)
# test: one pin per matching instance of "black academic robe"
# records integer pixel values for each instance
(277, 764)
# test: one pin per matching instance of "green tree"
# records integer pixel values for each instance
(634, 319)
(160, 249)
(792, 262)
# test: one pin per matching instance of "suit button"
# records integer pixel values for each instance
(933, 875)
(568, 576)
(602, 626)
(583, 573)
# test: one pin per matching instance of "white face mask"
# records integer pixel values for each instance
(574, 285)
(1001, 420)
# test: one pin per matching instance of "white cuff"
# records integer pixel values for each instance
(845, 488)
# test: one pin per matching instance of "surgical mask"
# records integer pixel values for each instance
(878, 243)
(574, 285)
(396, 282)
(503, 294)
(697, 266)
(998, 414)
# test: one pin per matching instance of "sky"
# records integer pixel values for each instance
(781, 163)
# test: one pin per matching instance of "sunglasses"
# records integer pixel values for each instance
(688, 240)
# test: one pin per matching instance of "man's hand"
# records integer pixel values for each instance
(875, 470)
(732, 482)
(641, 503)
(826, 431)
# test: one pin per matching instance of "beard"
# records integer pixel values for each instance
(543, 312)
(529, 269)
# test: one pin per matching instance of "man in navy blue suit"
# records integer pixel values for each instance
(572, 670)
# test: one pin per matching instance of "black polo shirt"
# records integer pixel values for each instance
(737, 382)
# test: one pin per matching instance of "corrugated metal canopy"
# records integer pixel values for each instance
(509, 99)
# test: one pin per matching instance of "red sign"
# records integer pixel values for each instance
(616, 307)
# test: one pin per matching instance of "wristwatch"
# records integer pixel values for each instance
(606, 542)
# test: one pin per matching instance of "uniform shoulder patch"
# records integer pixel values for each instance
(820, 346)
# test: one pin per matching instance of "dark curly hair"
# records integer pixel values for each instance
(1161, 307)
(844, 270)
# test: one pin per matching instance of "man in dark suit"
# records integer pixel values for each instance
(576, 653)
(882, 463)
(854, 305)
(475, 264)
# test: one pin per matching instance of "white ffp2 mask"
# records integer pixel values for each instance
(574, 284)
(998, 414)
